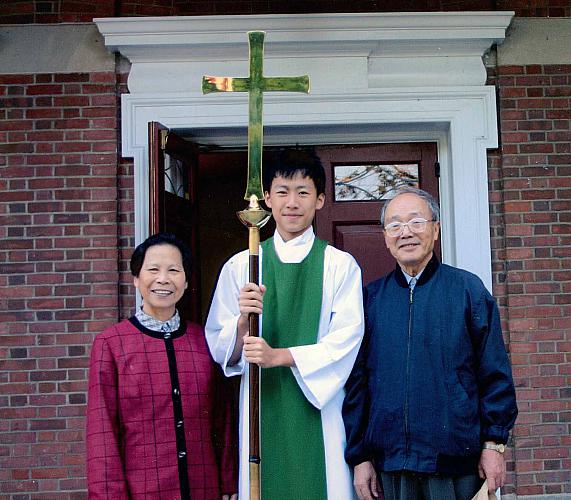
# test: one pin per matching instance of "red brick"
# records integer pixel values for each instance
(72, 124)
(103, 100)
(73, 101)
(511, 92)
(104, 123)
(550, 453)
(557, 405)
(557, 113)
(51, 424)
(16, 79)
(511, 114)
(44, 89)
(537, 124)
(107, 77)
(560, 160)
(536, 148)
(70, 147)
(511, 70)
(553, 358)
(14, 125)
(558, 91)
(510, 137)
(530, 81)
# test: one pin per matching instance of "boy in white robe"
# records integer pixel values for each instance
(296, 191)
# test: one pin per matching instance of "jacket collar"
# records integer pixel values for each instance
(158, 335)
(429, 271)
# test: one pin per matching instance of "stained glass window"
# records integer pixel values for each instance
(372, 182)
(176, 177)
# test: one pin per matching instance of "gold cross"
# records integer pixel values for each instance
(256, 84)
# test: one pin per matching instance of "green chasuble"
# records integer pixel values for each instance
(292, 450)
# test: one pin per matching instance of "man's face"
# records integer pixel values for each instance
(411, 250)
(293, 203)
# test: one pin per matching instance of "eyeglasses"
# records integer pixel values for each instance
(417, 225)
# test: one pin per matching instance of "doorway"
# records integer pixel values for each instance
(195, 193)
(349, 219)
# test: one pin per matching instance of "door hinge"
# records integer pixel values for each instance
(164, 137)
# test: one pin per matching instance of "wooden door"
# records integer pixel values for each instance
(173, 206)
(353, 224)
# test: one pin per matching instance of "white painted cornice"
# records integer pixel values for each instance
(333, 31)
(378, 49)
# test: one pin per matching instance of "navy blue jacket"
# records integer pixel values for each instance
(432, 381)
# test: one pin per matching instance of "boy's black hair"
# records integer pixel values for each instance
(290, 161)
(160, 239)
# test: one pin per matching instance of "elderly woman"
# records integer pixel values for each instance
(156, 427)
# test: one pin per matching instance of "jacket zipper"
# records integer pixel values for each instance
(406, 429)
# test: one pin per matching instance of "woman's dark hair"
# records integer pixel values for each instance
(160, 239)
(288, 162)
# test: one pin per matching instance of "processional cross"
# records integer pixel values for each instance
(254, 217)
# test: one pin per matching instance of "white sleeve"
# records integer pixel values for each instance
(322, 369)
(222, 320)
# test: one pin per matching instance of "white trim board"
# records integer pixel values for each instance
(375, 78)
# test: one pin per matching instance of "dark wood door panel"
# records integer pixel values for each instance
(365, 242)
(176, 213)
(354, 225)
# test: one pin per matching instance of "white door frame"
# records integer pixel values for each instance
(375, 78)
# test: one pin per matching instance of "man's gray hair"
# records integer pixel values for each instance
(431, 202)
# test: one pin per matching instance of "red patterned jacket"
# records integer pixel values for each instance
(139, 384)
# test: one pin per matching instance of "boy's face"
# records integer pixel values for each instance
(293, 203)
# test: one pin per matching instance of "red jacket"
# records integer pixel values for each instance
(131, 439)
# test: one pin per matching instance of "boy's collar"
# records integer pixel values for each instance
(304, 238)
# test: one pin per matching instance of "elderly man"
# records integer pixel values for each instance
(430, 401)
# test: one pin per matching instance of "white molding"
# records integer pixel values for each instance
(351, 50)
(366, 102)
(470, 31)
(462, 122)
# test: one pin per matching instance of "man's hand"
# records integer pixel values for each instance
(365, 482)
(257, 351)
(250, 300)
(230, 497)
(492, 467)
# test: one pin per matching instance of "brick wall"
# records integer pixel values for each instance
(66, 233)
(126, 229)
(126, 215)
(531, 224)
(58, 270)
(56, 11)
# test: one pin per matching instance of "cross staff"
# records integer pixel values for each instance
(256, 84)
(254, 217)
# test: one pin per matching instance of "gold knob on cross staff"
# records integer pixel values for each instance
(254, 215)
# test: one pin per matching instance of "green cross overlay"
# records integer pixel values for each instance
(256, 84)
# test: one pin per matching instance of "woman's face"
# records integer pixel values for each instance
(161, 281)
